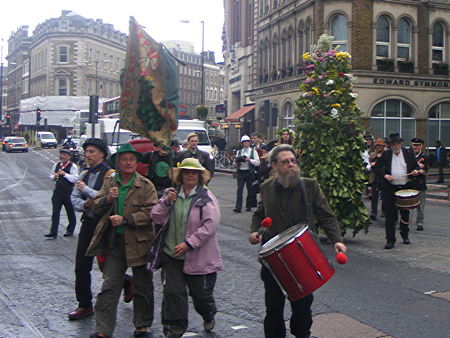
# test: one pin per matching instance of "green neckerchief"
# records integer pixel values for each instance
(123, 191)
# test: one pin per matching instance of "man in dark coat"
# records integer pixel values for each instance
(441, 160)
(290, 199)
(192, 151)
(396, 166)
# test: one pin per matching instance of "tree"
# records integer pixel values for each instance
(202, 112)
(330, 135)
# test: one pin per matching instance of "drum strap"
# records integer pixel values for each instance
(305, 198)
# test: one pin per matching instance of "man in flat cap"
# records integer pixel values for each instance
(421, 183)
(65, 174)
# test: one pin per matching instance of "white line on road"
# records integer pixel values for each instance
(19, 181)
(19, 313)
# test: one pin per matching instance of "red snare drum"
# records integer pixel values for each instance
(296, 262)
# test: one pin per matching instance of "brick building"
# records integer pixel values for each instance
(400, 55)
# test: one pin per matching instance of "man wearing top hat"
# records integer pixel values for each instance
(65, 174)
(422, 162)
(397, 166)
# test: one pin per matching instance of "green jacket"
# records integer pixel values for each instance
(297, 211)
(138, 227)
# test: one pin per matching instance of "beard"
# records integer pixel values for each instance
(288, 179)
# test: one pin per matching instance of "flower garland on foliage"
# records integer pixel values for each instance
(330, 134)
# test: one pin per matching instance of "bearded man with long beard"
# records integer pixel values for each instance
(289, 200)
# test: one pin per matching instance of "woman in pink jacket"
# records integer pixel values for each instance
(190, 255)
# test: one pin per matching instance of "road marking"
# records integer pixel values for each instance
(190, 334)
(19, 181)
(19, 314)
(239, 327)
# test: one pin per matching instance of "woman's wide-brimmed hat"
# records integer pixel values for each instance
(188, 164)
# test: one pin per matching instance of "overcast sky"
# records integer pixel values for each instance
(160, 17)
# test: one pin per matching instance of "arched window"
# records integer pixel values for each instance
(438, 42)
(339, 31)
(274, 56)
(439, 123)
(404, 39)
(393, 116)
(383, 37)
(308, 36)
(300, 39)
(288, 115)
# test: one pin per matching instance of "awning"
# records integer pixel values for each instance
(236, 116)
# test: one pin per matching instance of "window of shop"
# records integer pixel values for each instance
(439, 124)
(288, 115)
(393, 116)
(404, 40)
(339, 31)
(438, 47)
(383, 37)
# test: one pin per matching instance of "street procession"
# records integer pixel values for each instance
(290, 180)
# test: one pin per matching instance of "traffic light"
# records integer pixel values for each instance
(93, 109)
(8, 120)
(38, 115)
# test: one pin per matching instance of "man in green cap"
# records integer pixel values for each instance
(124, 235)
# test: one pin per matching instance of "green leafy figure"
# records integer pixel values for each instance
(146, 110)
(330, 135)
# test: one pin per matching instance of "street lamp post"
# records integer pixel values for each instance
(202, 96)
(1, 81)
(202, 57)
(96, 72)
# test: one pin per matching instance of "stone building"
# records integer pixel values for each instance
(239, 68)
(65, 56)
(190, 78)
(400, 55)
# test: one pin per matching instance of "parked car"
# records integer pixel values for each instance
(17, 144)
(5, 142)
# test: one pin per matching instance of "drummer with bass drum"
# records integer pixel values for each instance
(288, 199)
(399, 168)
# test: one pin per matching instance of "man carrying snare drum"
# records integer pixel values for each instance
(398, 167)
(288, 200)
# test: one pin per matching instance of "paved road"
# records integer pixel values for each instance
(402, 292)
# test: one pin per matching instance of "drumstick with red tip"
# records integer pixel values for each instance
(341, 258)
(265, 223)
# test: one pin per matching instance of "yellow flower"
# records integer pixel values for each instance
(306, 57)
(315, 90)
(336, 105)
(343, 55)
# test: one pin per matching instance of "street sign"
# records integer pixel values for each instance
(183, 110)
(220, 108)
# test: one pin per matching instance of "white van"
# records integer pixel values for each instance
(46, 139)
(185, 127)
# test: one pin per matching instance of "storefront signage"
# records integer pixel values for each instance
(386, 81)
(281, 87)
